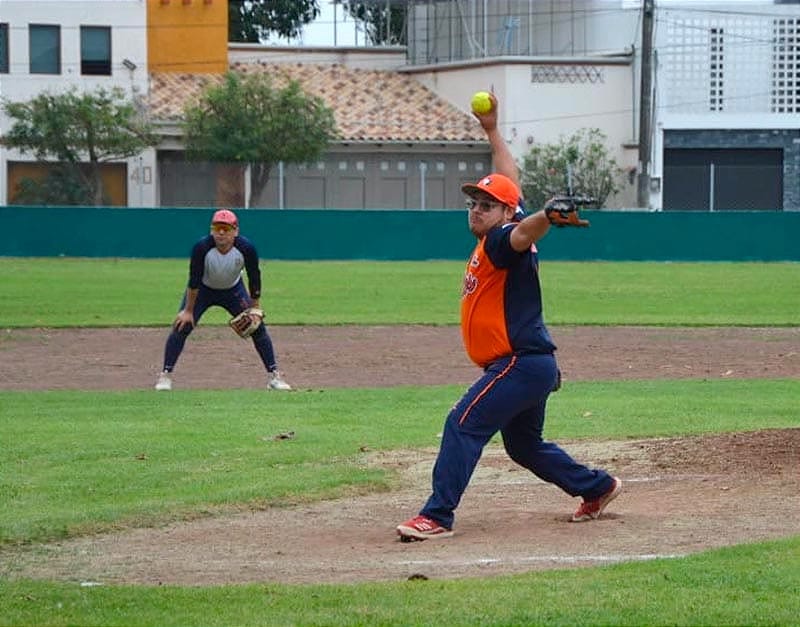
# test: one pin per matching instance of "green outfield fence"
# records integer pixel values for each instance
(305, 234)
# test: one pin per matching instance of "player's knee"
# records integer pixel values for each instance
(515, 452)
(522, 450)
(183, 331)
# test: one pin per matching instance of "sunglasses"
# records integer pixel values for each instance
(222, 228)
(484, 206)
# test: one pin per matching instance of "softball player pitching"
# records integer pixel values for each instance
(504, 333)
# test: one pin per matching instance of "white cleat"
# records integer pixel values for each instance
(164, 383)
(276, 382)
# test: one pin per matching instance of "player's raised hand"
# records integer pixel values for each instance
(487, 118)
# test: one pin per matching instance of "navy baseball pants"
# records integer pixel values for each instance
(234, 300)
(510, 397)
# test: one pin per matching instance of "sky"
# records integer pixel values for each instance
(332, 27)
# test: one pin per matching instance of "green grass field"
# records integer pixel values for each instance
(77, 463)
(129, 292)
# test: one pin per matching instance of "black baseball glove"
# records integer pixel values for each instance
(563, 211)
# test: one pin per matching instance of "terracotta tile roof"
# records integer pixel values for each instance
(369, 105)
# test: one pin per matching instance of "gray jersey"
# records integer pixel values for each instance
(211, 268)
(221, 272)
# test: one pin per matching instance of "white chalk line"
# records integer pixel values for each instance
(524, 478)
(550, 559)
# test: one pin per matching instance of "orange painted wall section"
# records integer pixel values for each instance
(187, 36)
(114, 175)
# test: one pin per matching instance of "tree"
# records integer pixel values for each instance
(594, 172)
(74, 128)
(252, 21)
(247, 120)
(384, 21)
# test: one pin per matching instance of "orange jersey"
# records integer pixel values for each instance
(501, 302)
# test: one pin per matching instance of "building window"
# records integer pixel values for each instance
(45, 49)
(716, 92)
(96, 50)
(786, 66)
(3, 48)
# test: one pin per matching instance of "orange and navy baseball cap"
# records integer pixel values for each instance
(225, 216)
(499, 187)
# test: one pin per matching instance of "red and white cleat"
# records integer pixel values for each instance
(421, 528)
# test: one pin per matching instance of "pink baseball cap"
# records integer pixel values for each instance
(499, 187)
(225, 216)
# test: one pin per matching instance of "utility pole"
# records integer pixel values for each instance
(646, 105)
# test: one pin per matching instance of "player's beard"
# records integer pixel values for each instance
(480, 225)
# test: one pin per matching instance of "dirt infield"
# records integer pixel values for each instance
(356, 356)
(680, 495)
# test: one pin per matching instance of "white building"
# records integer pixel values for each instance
(726, 131)
(725, 86)
(59, 45)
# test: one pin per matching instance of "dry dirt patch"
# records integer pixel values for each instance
(379, 356)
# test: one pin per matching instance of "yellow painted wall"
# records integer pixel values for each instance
(187, 36)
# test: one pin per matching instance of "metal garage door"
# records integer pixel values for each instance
(723, 179)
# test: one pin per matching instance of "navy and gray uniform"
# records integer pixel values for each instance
(218, 279)
(504, 333)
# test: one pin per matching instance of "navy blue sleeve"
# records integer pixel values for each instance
(250, 255)
(498, 247)
(198, 260)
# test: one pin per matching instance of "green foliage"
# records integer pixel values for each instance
(248, 120)
(594, 172)
(254, 20)
(374, 17)
(75, 127)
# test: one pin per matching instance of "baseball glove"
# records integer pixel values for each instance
(246, 322)
(563, 211)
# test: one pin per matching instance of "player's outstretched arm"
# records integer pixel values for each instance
(530, 229)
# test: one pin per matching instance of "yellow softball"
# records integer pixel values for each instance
(481, 102)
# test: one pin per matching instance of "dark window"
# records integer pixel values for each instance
(96, 50)
(45, 49)
(723, 179)
(716, 94)
(3, 48)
